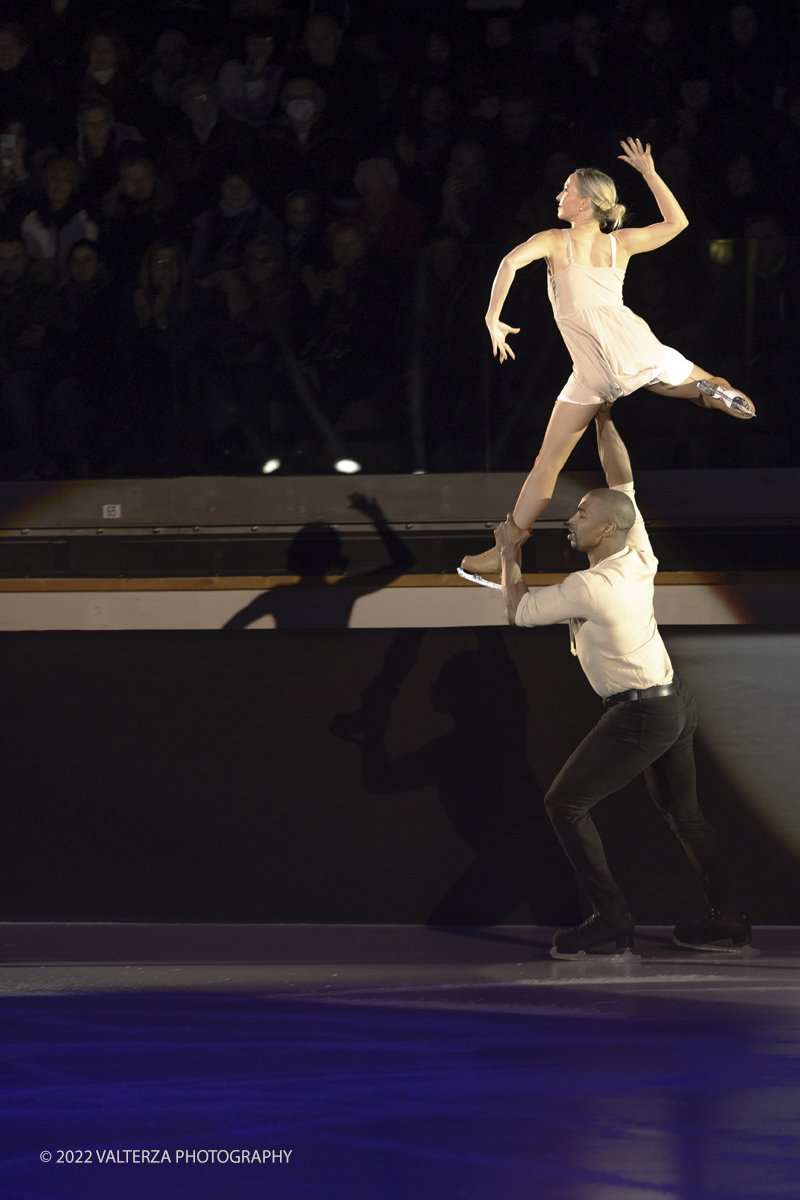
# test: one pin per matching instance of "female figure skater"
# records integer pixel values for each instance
(613, 351)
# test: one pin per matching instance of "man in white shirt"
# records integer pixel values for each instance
(650, 715)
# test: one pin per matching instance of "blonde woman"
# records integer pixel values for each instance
(613, 351)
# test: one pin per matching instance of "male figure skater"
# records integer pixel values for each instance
(649, 717)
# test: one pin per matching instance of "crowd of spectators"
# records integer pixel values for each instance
(235, 232)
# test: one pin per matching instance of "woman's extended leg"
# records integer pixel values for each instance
(564, 430)
(712, 397)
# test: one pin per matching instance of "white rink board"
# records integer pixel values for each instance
(392, 607)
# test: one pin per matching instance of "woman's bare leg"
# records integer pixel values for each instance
(564, 431)
(688, 390)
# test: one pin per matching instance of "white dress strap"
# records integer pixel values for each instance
(569, 244)
(613, 250)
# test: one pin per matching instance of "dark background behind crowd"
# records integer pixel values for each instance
(264, 231)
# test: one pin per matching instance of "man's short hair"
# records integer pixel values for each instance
(615, 507)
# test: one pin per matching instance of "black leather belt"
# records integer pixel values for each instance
(661, 689)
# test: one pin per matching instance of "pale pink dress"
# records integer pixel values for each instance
(613, 351)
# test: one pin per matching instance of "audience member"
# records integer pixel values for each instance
(51, 230)
(304, 148)
(518, 150)
(436, 66)
(468, 204)
(353, 352)
(220, 234)
(162, 325)
(102, 140)
(264, 316)
(423, 144)
(394, 225)
(654, 68)
(24, 87)
(141, 210)
(19, 191)
(108, 76)
(302, 239)
(200, 146)
(740, 199)
(496, 65)
(448, 317)
(81, 404)
(348, 81)
(27, 312)
(249, 84)
(748, 65)
(170, 69)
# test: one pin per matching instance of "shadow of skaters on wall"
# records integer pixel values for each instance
(483, 777)
(314, 554)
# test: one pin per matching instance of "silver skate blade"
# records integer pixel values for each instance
(737, 405)
(715, 948)
(478, 579)
(618, 957)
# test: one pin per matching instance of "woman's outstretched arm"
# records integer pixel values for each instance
(538, 246)
(638, 241)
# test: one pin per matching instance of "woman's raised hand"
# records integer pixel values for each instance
(637, 157)
(498, 331)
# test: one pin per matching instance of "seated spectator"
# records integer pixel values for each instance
(249, 84)
(24, 88)
(354, 351)
(518, 150)
(162, 325)
(584, 95)
(394, 225)
(782, 142)
(51, 230)
(423, 144)
(27, 312)
(740, 201)
(655, 66)
(747, 60)
(449, 322)
(19, 191)
(676, 167)
(302, 238)
(468, 204)
(195, 152)
(265, 312)
(702, 122)
(497, 64)
(81, 405)
(221, 234)
(304, 148)
(348, 81)
(170, 68)
(538, 210)
(108, 76)
(141, 210)
(101, 142)
(436, 65)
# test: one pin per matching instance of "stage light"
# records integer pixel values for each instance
(272, 464)
(419, 472)
(347, 466)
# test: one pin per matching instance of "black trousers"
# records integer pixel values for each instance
(654, 736)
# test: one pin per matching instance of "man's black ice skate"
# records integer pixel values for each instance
(731, 399)
(596, 930)
(718, 929)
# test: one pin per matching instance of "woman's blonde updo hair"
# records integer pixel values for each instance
(598, 187)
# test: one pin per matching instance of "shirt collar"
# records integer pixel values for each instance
(609, 557)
